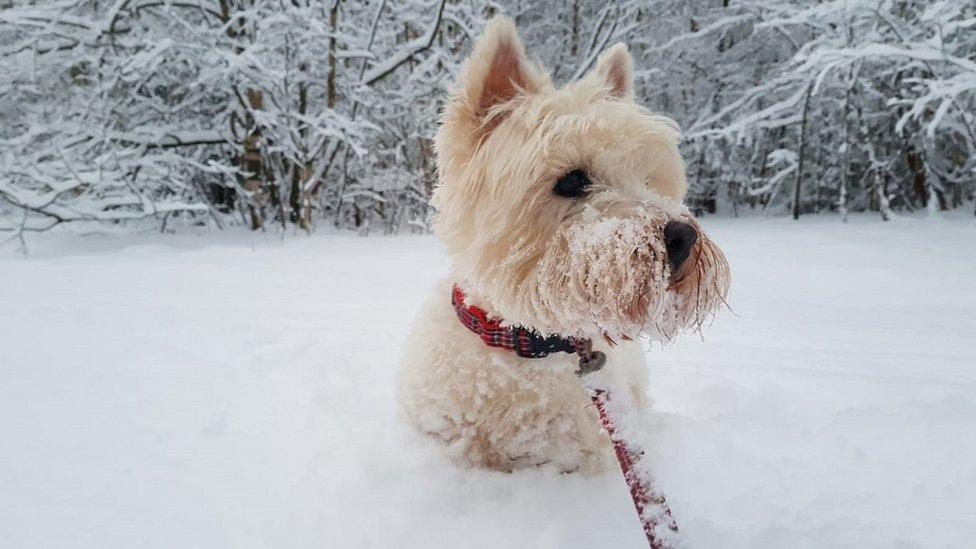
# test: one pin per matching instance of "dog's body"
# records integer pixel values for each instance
(497, 410)
(561, 211)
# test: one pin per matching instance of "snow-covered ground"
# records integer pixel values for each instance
(232, 390)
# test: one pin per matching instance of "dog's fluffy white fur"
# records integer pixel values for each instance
(592, 267)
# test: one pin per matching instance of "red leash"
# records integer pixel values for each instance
(652, 509)
(659, 525)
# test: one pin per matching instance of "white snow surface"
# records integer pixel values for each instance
(236, 390)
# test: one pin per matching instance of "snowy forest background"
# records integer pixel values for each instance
(277, 114)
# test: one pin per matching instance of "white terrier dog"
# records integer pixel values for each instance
(561, 211)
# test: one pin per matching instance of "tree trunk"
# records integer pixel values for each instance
(299, 200)
(252, 160)
(330, 84)
(919, 184)
(845, 173)
(882, 195)
(798, 187)
(574, 45)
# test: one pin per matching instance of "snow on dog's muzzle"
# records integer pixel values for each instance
(629, 268)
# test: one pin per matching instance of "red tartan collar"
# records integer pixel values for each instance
(526, 343)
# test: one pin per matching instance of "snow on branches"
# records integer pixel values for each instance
(277, 114)
(889, 85)
(262, 111)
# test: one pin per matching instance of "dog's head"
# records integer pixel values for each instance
(561, 207)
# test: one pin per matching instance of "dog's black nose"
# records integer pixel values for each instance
(679, 237)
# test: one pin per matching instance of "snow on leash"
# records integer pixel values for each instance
(652, 509)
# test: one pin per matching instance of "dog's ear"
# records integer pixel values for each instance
(496, 72)
(615, 70)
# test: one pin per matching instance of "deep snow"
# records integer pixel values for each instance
(232, 390)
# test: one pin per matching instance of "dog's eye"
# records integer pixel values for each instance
(572, 185)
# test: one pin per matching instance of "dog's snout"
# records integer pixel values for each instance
(679, 237)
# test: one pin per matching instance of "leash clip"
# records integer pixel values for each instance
(592, 363)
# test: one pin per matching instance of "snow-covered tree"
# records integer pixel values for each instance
(873, 109)
(280, 113)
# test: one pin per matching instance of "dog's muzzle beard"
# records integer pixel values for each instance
(613, 277)
(697, 288)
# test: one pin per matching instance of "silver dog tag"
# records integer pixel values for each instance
(592, 364)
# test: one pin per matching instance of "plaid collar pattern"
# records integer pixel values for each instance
(526, 343)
